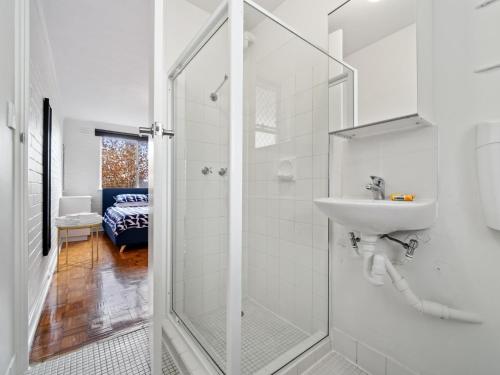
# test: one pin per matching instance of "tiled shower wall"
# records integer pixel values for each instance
(285, 250)
(287, 236)
(201, 214)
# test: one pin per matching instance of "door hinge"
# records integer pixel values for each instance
(21, 137)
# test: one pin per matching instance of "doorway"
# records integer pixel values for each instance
(92, 61)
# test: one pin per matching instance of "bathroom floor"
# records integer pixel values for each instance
(266, 336)
(127, 354)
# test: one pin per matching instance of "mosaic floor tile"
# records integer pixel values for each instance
(265, 336)
(127, 354)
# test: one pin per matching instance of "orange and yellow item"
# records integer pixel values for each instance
(402, 197)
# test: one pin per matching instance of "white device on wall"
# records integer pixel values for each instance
(73, 205)
(488, 171)
(11, 115)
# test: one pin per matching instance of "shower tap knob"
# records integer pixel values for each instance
(222, 171)
(206, 170)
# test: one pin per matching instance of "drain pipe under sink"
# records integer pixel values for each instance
(375, 266)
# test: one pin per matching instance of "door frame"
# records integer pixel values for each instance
(22, 92)
(232, 11)
(22, 20)
(157, 264)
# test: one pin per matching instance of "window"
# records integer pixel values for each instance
(124, 162)
(266, 116)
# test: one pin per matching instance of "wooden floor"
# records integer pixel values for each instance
(84, 305)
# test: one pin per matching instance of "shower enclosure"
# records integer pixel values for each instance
(249, 254)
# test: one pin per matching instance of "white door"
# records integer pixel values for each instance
(159, 141)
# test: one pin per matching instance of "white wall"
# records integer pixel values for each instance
(458, 265)
(6, 186)
(308, 18)
(456, 261)
(82, 158)
(387, 76)
(43, 84)
(183, 21)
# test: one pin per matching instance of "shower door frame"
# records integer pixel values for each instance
(231, 11)
(233, 304)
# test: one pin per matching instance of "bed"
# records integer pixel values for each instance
(125, 226)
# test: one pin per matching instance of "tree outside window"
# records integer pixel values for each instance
(124, 162)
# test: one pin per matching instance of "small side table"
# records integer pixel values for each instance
(94, 236)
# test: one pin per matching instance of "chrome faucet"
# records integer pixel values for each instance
(377, 187)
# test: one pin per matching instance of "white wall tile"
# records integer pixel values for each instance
(370, 360)
(288, 213)
(345, 345)
(303, 102)
(396, 368)
(303, 123)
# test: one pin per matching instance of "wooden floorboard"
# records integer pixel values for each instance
(87, 304)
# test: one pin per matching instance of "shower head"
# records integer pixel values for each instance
(214, 96)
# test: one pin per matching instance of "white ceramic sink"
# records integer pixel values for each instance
(372, 217)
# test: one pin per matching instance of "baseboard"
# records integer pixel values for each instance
(10, 368)
(348, 347)
(36, 311)
(174, 354)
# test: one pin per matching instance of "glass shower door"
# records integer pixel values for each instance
(199, 256)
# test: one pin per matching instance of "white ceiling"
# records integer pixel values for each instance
(102, 52)
(363, 21)
(210, 5)
(251, 18)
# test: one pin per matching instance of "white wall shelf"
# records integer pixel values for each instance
(403, 123)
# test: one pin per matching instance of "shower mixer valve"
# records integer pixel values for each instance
(206, 170)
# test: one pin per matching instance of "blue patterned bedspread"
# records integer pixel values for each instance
(122, 218)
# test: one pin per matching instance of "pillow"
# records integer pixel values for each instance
(131, 204)
(127, 198)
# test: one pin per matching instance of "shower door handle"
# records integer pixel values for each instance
(169, 133)
(154, 129)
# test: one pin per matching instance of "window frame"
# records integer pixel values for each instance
(262, 128)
